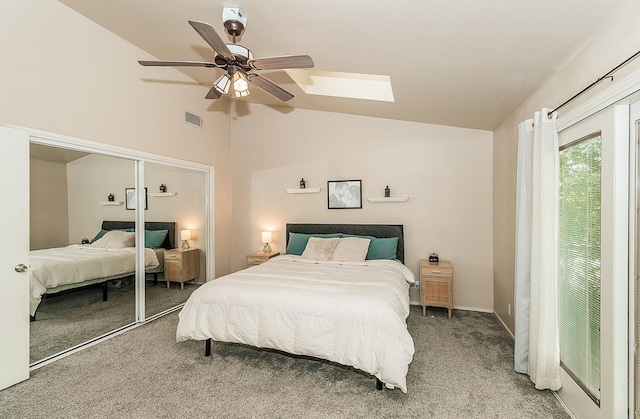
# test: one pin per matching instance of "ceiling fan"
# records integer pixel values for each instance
(237, 60)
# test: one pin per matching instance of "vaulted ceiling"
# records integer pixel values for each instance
(465, 63)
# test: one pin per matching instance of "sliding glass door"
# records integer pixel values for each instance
(593, 274)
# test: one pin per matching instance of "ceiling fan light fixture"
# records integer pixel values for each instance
(240, 84)
(222, 84)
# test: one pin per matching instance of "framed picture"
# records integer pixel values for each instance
(344, 194)
(130, 196)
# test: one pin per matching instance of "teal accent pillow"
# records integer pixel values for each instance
(384, 248)
(153, 238)
(298, 241)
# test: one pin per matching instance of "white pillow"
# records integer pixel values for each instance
(320, 249)
(351, 249)
(115, 239)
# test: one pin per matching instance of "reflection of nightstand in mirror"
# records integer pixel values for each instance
(260, 257)
(181, 265)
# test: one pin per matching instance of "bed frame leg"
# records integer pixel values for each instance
(104, 290)
(155, 278)
(378, 384)
(207, 347)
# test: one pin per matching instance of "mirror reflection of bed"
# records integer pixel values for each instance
(67, 189)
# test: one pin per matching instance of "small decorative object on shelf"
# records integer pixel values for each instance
(111, 198)
(387, 192)
(433, 258)
(302, 183)
(85, 241)
(163, 188)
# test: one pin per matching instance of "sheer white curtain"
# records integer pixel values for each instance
(537, 348)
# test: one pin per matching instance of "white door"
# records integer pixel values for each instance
(14, 251)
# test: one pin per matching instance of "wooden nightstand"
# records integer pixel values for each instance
(436, 285)
(257, 258)
(181, 265)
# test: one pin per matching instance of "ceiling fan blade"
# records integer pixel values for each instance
(269, 86)
(209, 34)
(213, 93)
(178, 64)
(276, 63)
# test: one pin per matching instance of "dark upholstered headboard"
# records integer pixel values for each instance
(375, 230)
(168, 243)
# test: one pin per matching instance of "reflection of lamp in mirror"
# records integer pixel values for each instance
(266, 239)
(185, 236)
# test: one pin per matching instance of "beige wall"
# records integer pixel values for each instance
(445, 172)
(48, 221)
(69, 76)
(609, 48)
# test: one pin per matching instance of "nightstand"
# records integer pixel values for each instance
(436, 285)
(181, 265)
(257, 258)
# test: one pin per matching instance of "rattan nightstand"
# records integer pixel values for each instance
(436, 285)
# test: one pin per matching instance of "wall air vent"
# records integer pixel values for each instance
(192, 119)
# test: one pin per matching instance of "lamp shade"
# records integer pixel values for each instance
(222, 84)
(185, 234)
(240, 85)
(266, 237)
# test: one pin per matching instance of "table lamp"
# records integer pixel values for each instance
(185, 236)
(266, 239)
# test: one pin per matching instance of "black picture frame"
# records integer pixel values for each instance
(130, 198)
(344, 194)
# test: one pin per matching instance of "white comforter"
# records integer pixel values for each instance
(50, 268)
(352, 314)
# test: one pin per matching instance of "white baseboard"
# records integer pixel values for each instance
(505, 327)
(481, 310)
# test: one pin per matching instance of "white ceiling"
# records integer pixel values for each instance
(465, 63)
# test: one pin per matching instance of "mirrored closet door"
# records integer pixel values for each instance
(176, 263)
(91, 271)
(79, 291)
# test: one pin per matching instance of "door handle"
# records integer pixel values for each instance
(21, 268)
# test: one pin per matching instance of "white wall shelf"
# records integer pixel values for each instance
(111, 203)
(159, 194)
(304, 190)
(379, 200)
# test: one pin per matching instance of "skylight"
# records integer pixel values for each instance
(351, 85)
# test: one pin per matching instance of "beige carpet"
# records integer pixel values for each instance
(463, 368)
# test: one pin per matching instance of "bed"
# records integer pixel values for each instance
(348, 311)
(58, 269)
